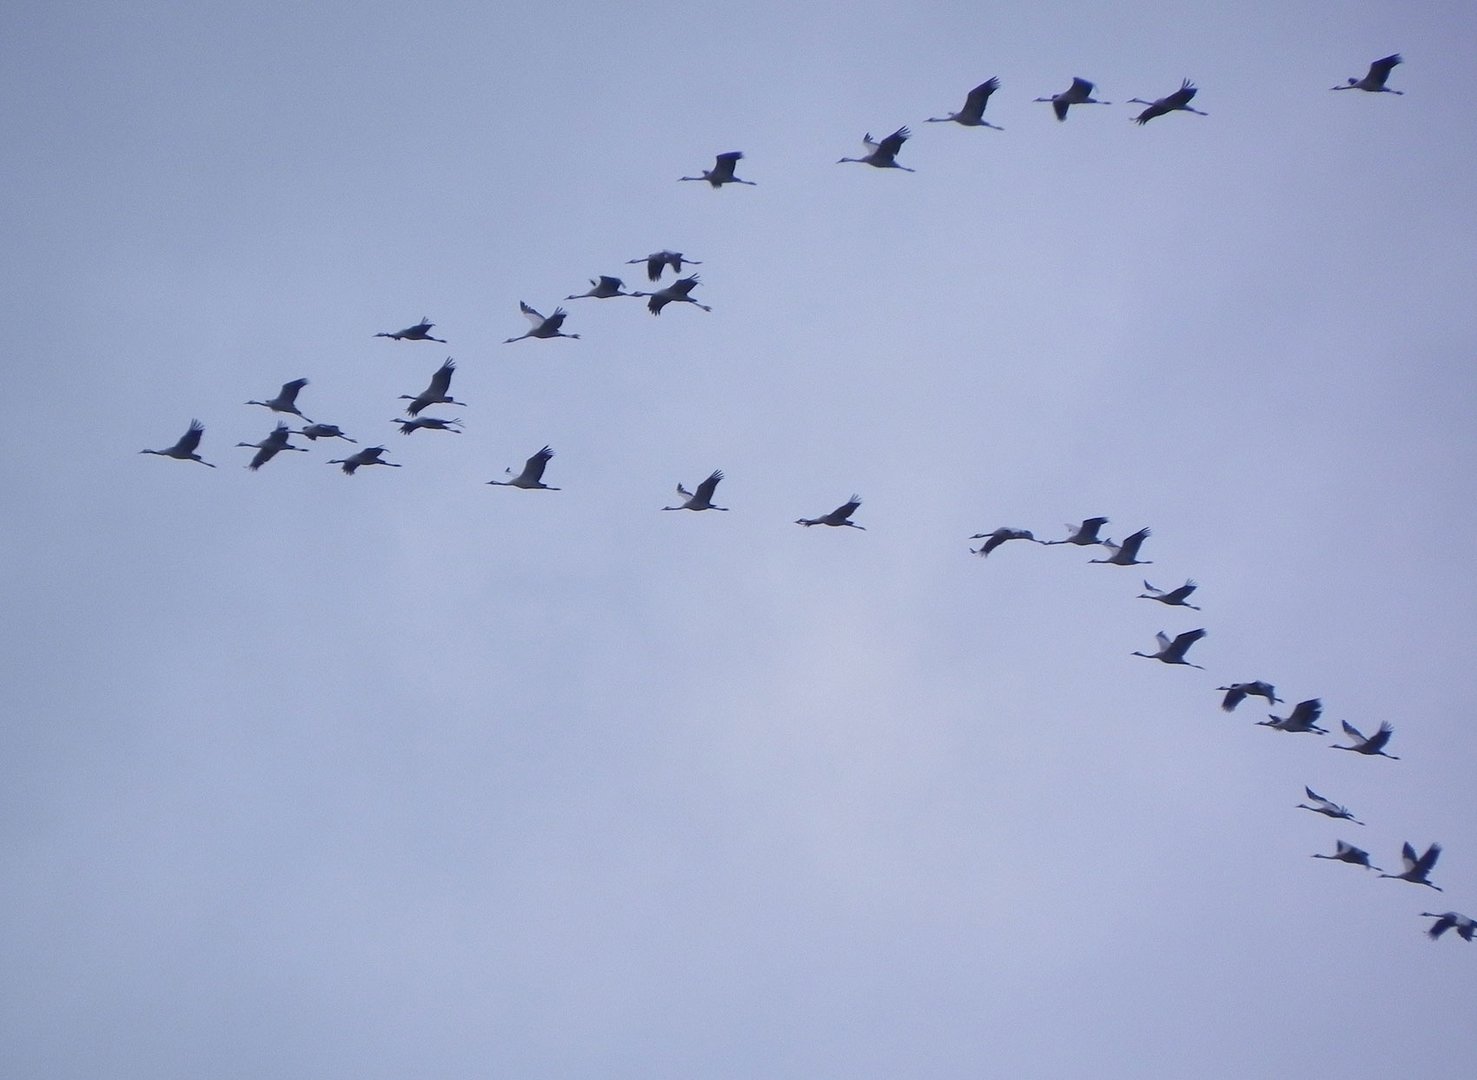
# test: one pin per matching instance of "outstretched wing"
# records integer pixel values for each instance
(533, 468)
(532, 316)
(707, 487)
(979, 97)
(889, 146)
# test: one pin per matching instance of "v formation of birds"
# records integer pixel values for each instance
(882, 153)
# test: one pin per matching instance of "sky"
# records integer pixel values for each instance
(398, 774)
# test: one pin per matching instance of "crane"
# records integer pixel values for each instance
(973, 113)
(286, 399)
(1173, 652)
(1174, 597)
(1417, 868)
(1302, 720)
(543, 326)
(1374, 745)
(1374, 78)
(992, 540)
(839, 516)
(603, 288)
(421, 331)
(271, 446)
(1348, 853)
(1126, 553)
(1179, 101)
(1079, 93)
(1327, 807)
(1236, 693)
(1084, 535)
(436, 393)
(675, 293)
(532, 476)
(882, 155)
(430, 423)
(370, 455)
(722, 171)
(314, 432)
(1464, 925)
(184, 450)
(658, 261)
(702, 498)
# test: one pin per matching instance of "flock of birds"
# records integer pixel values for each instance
(1303, 718)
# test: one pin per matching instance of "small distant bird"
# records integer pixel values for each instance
(1416, 869)
(314, 432)
(1179, 101)
(286, 399)
(184, 450)
(430, 423)
(602, 288)
(368, 456)
(1126, 553)
(1327, 807)
(1373, 745)
(702, 498)
(271, 446)
(1173, 652)
(421, 331)
(543, 327)
(1174, 597)
(1348, 853)
(722, 171)
(1303, 718)
(1084, 535)
(839, 516)
(532, 476)
(1374, 78)
(436, 393)
(992, 540)
(1236, 693)
(882, 155)
(973, 113)
(1464, 925)
(1079, 93)
(658, 261)
(675, 293)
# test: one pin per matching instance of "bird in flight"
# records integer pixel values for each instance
(1374, 745)
(1173, 652)
(421, 331)
(286, 399)
(271, 446)
(973, 113)
(1302, 720)
(1236, 693)
(438, 393)
(1174, 597)
(882, 155)
(702, 498)
(658, 261)
(675, 293)
(1417, 867)
(1079, 93)
(1464, 925)
(185, 449)
(542, 326)
(837, 517)
(1179, 101)
(1327, 807)
(1374, 78)
(722, 171)
(532, 476)
(992, 540)
(1348, 853)
(368, 456)
(1126, 553)
(602, 288)
(1084, 535)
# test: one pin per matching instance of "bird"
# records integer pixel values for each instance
(531, 478)
(543, 327)
(992, 540)
(1126, 553)
(1238, 692)
(370, 455)
(430, 423)
(1179, 101)
(436, 393)
(602, 288)
(973, 113)
(286, 399)
(839, 516)
(1464, 925)
(184, 450)
(421, 331)
(1348, 853)
(315, 432)
(658, 261)
(1416, 869)
(882, 155)
(1327, 807)
(1371, 746)
(702, 498)
(1079, 93)
(271, 446)
(1174, 597)
(675, 293)
(1084, 535)
(1173, 652)
(1374, 78)
(1302, 719)
(722, 171)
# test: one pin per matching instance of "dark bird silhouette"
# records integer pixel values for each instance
(184, 450)
(1302, 719)
(602, 288)
(722, 171)
(675, 293)
(1348, 853)
(370, 455)
(1236, 693)
(1464, 925)
(1174, 597)
(271, 446)
(1173, 652)
(839, 516)
(1079, 93)
(992, 540)
(882, 155)
(1126, 553)
(430, 423)
(702, 498)
(1327, 807)
(421, 331)
(1084, 535)
(658, 261)
(1374, 78)
(542, 326)
(532, 476)
(973, 113)
(438, 393)
(314, 432)
(1416, 869)
(286, 399)
(1374, 745)
(1179, 101)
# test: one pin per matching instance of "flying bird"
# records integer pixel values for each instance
(1416, 869)
(1464, 925)
(543, 327)
(314, 432)
(1084, 535)
(1371, 746)
(992, 540)
(1374, 78)
(430, 423)
(658, 261)
(1173, 652)
(702, 498)
(881, 155)
(1174, 597)
(1327, 807)
(1079, 93)
(1236, 693)
(435, 394)
(286, 399)
(722, 172)
(368, 456)
(839, 516)
(973, 113)
(1126, 553)
(421, 331)
(1348, 853)
(1179, 101)
(675, 293)
(532, 476)
(271, 446)
(184, 450)
(603, 288)
(1303, 718)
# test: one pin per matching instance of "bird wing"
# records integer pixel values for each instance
(1175, 596)
(1377, 741)
(1319, 799)
(1407, 855)
(555, 321)
(1353, 732)
(1234, 696)
(844, 511)
(290, 389)
(889, 146)
(614, 284)
(533, 468)
(723, 165)
(1059, 106)
(682, 286)
(707, 487)
(1428, 860)
(979, 97)
(441, 381)
(190, 440)
(1183, 642)
(1380, 70)
(532, 316)
(1181, 97)
(1129, 549)
(1163, 639)
(1080, 90)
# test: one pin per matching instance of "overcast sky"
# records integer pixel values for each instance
(398, 775)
